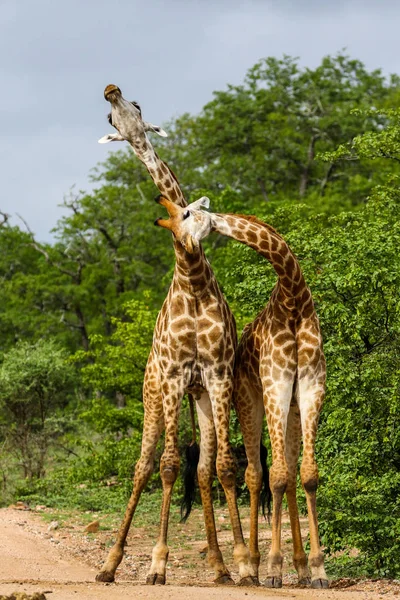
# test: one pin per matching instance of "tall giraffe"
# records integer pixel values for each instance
(280, 369)
(193, 350)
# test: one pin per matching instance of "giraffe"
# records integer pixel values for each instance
(280, 370)
(193, 350)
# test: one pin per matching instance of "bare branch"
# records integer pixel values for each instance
(5, 218)
(42, 251)
(108, 237)
(139, 189)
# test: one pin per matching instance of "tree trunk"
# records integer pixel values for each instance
(307, 168)
(121, 400)
(82, 328)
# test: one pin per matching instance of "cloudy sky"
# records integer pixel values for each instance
(58, 55)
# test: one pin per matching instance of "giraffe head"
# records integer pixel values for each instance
(189, 224)
(126, 117)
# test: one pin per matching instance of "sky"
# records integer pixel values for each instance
(58, 55)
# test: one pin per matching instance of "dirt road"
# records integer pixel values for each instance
(31, 562)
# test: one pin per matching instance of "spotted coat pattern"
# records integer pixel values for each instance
(280, 371)
(193, 350)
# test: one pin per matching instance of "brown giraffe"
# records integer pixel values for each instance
(193, 350)
(280, 368)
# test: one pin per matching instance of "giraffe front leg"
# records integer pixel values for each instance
(311, 397)
(152, 427)
(205, 475)
(169, 469)
(220, 395)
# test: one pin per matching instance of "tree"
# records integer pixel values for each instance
(24, 310)
(261, 137)
(105, 254)
(314, 152)
(115, 366)
(352, 265)
(35, 384)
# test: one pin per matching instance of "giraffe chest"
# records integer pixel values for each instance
(194, 337)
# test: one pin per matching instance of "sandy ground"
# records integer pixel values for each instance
(34, 560)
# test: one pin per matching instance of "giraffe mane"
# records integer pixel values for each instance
(168, 167)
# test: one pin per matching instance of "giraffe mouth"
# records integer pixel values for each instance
(112, 93)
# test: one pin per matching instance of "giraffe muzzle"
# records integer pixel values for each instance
(112, 93)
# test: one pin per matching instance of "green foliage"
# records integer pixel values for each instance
(35, 384)
(118, 362)
(352, 266)
(261, 137)
(383, 143)
(23, 297)
(314, 152)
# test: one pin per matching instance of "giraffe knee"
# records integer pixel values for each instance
(291, 484)
(169, 473)
(144, 468)
(226, 469)
(253, 477)
(169, 468)
(204, 474)
(278, 479)
(309, 476)
(310, 484)
(227, 476)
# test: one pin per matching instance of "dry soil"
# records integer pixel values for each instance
(60, 564)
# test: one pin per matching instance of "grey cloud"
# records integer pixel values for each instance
(170, 55)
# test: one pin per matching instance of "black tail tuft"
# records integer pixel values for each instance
(266, 496)
(189, 479)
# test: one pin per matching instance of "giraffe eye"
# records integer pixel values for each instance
(186, 214)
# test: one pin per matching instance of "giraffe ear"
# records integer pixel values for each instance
(111, 137)
(202, 202)
(155, 129)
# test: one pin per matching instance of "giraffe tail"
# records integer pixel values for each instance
(189, 476)
(266, 495)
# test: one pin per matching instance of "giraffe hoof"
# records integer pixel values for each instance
(250, 580)
(105, 577)
(320, 584)
(305, 581)
(273, 582)
(155, 579)
(224, 580)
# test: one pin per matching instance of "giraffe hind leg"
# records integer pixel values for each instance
(205, 475)
(277, 399)
(220, 395)
(311, 395)
(293, 442)
(250, 413)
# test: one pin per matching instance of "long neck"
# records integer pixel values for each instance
(160, 172)
(193, 272)
(186, 269)
(267, 242)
